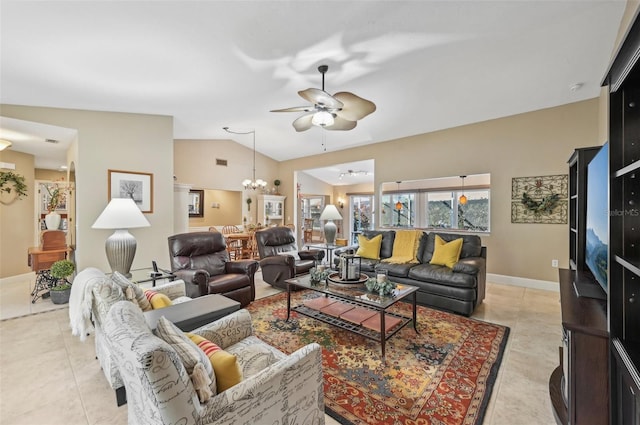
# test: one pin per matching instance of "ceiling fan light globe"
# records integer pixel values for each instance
(322, 119)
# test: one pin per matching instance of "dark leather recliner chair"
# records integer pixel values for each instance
(279, 256)
(202, 261)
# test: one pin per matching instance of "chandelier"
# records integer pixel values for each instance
(250, 183)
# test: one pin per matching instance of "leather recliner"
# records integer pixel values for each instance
(201, 259)
(279, 256)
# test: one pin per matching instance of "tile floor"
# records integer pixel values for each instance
(49, 377)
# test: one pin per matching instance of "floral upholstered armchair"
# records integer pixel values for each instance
(93, 293)
(275, 388)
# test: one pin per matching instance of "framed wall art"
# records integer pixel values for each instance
(196, 203)
(540, 199)
(132, 184)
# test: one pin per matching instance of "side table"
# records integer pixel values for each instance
(145, 275)
(328, 248)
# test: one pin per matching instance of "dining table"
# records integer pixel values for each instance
(244, 238)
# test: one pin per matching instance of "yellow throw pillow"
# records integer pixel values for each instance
(157, 299)
(446, 253)
(225, 365)
(369, 248)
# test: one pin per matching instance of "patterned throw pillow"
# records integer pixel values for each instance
(157, 299)
(225, 365)
(187, 350)
(125, 283)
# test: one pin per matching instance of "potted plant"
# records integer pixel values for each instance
(61, 270)
(249, 204)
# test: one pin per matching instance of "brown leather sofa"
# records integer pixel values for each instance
(279, 256)
(201, 259)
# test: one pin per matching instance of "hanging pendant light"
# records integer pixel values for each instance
(398, 204)
(250, 183)
(463, 199)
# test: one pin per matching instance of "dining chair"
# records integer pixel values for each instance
(308, 230)
(234, 247)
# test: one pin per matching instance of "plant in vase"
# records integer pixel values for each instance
(61, 270)
(381, 286)
(57, 199)
(276, 183)
(318, 274)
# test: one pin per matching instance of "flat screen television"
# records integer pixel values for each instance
(597, 217)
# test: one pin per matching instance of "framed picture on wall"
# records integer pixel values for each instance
(134, 185)
(196, 203)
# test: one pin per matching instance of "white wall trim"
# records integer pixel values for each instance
(523, 281)
(31, 277)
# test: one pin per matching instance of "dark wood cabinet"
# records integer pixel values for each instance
(623, 80)
(579, 387)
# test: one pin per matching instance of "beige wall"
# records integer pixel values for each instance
(106, 140)
(17, 219)
(536, 143)
(229, 212)
(195, 164)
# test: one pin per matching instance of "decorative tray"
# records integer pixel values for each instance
(334, 278)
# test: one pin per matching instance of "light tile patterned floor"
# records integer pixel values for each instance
(49, 377)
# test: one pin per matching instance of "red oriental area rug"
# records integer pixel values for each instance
(443, 375)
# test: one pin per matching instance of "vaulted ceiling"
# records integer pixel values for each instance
(427, 65)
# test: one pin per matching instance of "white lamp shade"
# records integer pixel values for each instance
(121, 213)
(330, 212)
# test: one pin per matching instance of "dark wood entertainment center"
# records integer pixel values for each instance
(598, 380)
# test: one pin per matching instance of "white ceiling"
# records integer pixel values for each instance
(428, 65)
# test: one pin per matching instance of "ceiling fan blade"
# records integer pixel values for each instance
(341, 124)
(355, 108)
(321, 98)
(295, 109)
(303, 123)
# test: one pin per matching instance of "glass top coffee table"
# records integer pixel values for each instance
(353, 308)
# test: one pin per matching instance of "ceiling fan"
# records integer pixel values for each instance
(338, 112)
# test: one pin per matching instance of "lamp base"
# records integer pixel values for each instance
(330, 229)
(121, 249)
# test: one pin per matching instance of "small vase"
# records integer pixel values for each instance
(52, 220)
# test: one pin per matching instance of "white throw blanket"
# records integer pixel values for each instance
(80, 301)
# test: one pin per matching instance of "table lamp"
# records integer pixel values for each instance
(330, 213)
(121, 214)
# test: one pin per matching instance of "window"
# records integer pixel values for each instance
(398, 210)
(444, 211)
(312, 207)
(361, 214)
(434, 203)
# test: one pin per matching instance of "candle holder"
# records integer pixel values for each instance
(349, 268)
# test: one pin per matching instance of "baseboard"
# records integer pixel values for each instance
(523, 281)
(31, 276)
